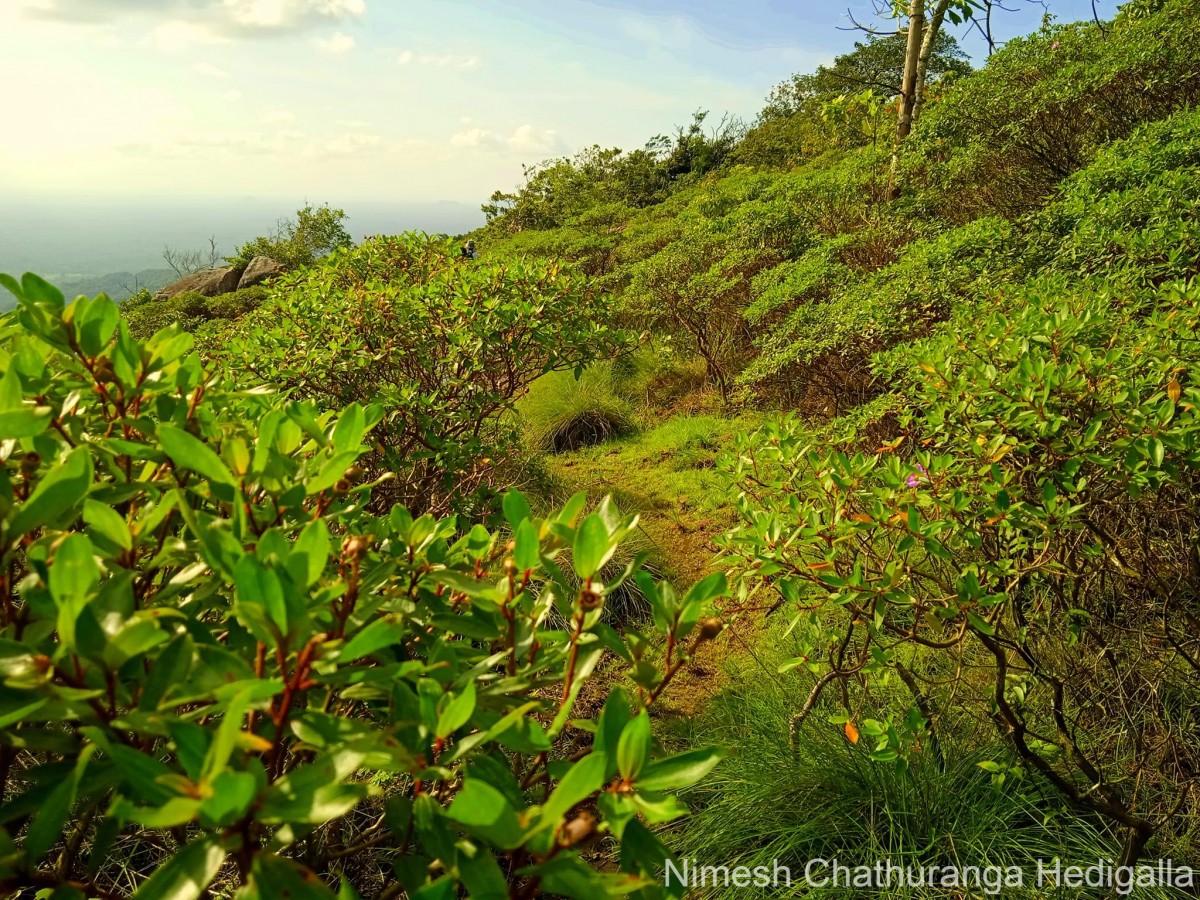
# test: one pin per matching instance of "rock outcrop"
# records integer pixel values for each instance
(260, 269)
(207, 282)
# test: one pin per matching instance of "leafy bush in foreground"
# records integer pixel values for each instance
(219, 670)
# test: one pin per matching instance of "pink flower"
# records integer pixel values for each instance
(914, 480)
(1055, 45)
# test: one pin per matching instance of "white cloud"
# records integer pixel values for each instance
(209, 70)
(335, 45)
(290, 13)
(476, 139)
(279, 117)
(439, 60)
(177, 35)
(351, 143)
(227, 18)
(525, 140)
(233, 95)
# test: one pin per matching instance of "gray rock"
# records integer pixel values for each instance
(260, 269)
(207, 282)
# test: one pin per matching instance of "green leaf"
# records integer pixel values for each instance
(633, 750)
(107, 522)
(26, 422)
(96, 325)
(232, 794)
(314, 794)
(480, 874)
(310, 553)
(591, 548)
(571, 510)
(185, 875)
(528, 550)
(582, 780)
(50, 821)
(980, 624)
(680, 771)
(379, 634)
(65, 486)
(231, 726)
(189, 452)
(351, 425)
(485, 812)
(704, 590)
(516, 508)
(12, 286)
(273, 877)
(39, 290)
(457, 712)
(74, 577)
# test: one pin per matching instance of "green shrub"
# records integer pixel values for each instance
(1002, 138)
(819, 354)
(445, 346)
(190, 311)
(219, 671)
(1034, 524)
(1130, 216)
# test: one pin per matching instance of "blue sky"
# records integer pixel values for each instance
(399, 100)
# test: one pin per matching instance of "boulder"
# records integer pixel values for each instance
(260, 269)
(206, 282)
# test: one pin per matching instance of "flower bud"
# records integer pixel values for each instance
(578, 830)
(710, 627)
(590, 598)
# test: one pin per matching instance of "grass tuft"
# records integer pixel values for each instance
(562, 413)
(825, 799)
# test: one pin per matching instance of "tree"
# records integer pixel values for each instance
(810, 113)
(876, 63)
(924, 24)
(185, 262)
(316, 232)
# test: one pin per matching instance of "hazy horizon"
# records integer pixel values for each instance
(99, 235)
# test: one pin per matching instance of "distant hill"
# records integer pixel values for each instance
(118, 285)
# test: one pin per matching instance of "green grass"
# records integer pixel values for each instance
(825, 799)
(666, 474)
(561, 412)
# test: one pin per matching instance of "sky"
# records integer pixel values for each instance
(383, 100)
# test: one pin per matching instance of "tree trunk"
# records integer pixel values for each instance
(927, 41)
(908, 87)
(912, 56)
